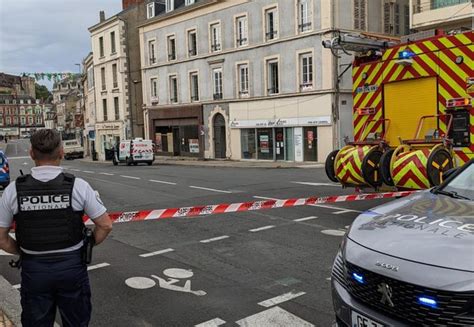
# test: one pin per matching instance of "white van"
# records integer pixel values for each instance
(73, 149)
(132, 152)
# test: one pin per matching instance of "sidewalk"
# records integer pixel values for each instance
(180, 161)
(10, 309)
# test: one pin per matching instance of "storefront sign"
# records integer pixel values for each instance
(194, 145)
(282, 122)
(109, 126)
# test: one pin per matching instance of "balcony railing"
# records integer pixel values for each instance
(271, 35)
(172, 56)
(174, 100)
(194, 98)
(217, 96)
(304, 27)
(273, 90)
(306, 86)
(215, 47)
(192, 52)
(152, 60)
(242, 41)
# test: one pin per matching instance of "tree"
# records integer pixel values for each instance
(42, 92)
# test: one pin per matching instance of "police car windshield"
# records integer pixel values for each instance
(462, 184)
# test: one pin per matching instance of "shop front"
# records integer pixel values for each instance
(290, 139)
(105, 138)
(178, 131)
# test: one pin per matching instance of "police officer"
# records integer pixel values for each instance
(47, 207)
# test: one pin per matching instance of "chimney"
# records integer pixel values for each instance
(128, 3)
(102, 16)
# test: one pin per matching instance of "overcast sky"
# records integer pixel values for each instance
(48, 35)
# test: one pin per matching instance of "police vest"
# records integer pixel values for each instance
(46, 220)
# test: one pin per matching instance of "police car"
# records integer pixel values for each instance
(410, 262)
(4, 170)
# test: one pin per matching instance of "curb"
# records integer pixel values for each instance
(10, 301)
(218, 164)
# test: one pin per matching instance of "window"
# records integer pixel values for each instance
(116, 108)
(104, 108)
(271, 24)
(151, 52)
(194, 84)
(406, 17)
(113, 49)
(39, 121)
(272, 77)
(114, 76)
(397, 19)
(217, 83)
(173, 89)
(189, 2)
(192, 43)
(23, 120)
(387, 28)
(169, 5)
(306, 71)
(304, 15)
(150, 10)
(154, 88)
(359, 14)
(171, 48)
(243, 79)
(215, 37)
(102, 77)
(241, 27)
(90, 77)
(101, 46)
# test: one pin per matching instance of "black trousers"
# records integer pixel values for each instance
(55, 281)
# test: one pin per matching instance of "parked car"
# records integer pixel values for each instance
(410, 262)
(4, 170)
(73, 149)
(133, 152)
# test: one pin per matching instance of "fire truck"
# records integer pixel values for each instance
(413, 113)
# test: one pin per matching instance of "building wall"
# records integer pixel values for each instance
(425, 16)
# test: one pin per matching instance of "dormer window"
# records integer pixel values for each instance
(189, 2)
(150, 10)
(169, 5)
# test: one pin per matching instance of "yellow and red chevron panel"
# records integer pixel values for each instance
(348, 164)
(409, 170)
(433, 57)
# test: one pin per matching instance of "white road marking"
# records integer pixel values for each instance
(88, 172)
(274, 317)
(97, 266)
(140, 283)
(146, 255)
(333, 232)
(211, 323)
(107, 174)
(210, 189)
(341, 212)
(130, 177)
(280, 299)
(334, 207)
(24, 157)
(318, 184)
(74, 169)
(261, 228)
(305, 218)
(265, 198)
(215, 239)
(162, 182)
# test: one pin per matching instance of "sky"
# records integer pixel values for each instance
(48, 35)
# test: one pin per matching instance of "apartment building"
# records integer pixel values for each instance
(447, 15)
(249, 79)
(20, 115)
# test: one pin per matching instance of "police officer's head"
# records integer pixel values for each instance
(46, 147)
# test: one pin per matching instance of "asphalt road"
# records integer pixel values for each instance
(261, 268)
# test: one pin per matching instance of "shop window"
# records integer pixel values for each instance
(265, 143)
(248, 142)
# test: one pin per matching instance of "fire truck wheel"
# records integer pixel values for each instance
(439, 161)
(371, 168)
(385, 167)
(329, 166)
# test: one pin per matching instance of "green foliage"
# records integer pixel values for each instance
(42, 92)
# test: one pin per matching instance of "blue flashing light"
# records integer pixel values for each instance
(426, 301)
(405, 54)
(358, 278)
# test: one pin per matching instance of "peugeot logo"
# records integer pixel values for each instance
(386, 292)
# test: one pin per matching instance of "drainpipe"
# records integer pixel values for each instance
(335, 105)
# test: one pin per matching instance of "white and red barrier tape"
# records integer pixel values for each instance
(122, 217)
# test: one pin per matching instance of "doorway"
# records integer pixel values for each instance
(176, 141)
(310, 144)
(219, 137)
(279, 144)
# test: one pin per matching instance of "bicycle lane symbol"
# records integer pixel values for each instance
(175, 275)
